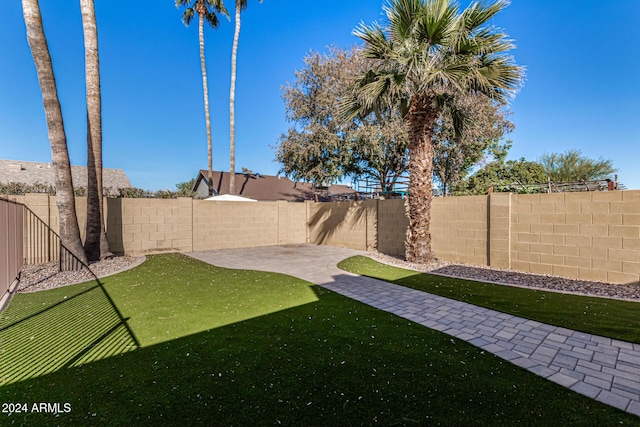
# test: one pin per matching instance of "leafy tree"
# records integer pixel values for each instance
(501, 176)
(65, 200)
(427, 50)
(572, 166)
(457, 149)
(185, 189)
(206, 10)
(96, 245)
(380, 148)
(321, 146)
(240, 6)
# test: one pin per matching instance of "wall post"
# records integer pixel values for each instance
(499, 230)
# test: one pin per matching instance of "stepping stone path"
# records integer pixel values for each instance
(601, 368)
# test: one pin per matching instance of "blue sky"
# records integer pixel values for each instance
(582, 89)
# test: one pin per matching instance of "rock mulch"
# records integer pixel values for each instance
(514, 278)
(41, 277)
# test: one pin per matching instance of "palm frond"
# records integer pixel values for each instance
(377, 46)
(375, 91)
(212, 19)
(498, 78)
(402, 16)
(435, 21)
(471, 24)
(187, 16)
(218, 7)
(478, 14)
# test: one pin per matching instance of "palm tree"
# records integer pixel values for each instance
(206, 10)
(426, 51)
(96, 244)
(69, 230)
(240, 6)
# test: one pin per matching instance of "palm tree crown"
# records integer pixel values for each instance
(427, 52)
(208, 9)
(429, 46)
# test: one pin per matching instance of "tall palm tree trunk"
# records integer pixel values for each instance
(422, 117)
(69, 231)
(96, 244)
(232, 105)
(205, 89)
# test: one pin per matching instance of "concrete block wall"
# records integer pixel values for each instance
(234, 224)
(392, 226)
(292, 223)
(591, 235)
(459, 229)
(347, 225)
(147, 226)
(498, 244)
(594, 236)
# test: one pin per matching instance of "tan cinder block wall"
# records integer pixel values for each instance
(292, 223)
(224, 225)
(240, 224)
(594, 236)
(499, 229)
(459, 229)
(148, 226)
(392, 226)
(591, 235)
(348, 225)
(221, 225)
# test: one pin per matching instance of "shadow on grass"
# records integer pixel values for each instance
(333, 361)
(81, 327)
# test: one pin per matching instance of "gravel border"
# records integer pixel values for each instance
(40, 277)
(545, 282)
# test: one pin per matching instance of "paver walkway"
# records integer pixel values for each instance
(602, 368)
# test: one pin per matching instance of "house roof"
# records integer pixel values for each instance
(269, 187)
(30, 173)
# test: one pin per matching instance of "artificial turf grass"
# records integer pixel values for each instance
(600, 316)
(167, 297)
(332, 361)
(174, 295)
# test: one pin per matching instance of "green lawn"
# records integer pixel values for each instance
(178, 342)
(599, 316)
